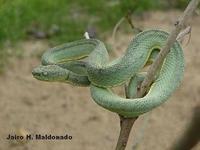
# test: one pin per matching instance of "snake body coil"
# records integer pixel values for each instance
(64, 64)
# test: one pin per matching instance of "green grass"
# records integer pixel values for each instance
(71, 16)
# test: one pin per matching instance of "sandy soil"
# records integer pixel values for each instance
(58, 108)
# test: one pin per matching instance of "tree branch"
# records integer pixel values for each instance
(185, 32)
(127, 123)
(180, 24)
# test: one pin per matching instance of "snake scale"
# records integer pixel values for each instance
(86, 63)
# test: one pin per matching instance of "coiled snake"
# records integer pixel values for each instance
(86, 63)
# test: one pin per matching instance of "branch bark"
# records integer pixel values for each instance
(127, 123)
(185, 32)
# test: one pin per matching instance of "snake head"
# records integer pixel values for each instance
(50, 73)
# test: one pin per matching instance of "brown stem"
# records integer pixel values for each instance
(126, 125)
(128, 17)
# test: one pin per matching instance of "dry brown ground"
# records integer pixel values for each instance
(57, 108)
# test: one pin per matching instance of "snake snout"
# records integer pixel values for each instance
(37, 72)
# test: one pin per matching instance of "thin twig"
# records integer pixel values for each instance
(126, 124)
(116, 28)
(128, 17)
(185, 32)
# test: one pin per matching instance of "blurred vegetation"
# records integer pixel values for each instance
(66, 20)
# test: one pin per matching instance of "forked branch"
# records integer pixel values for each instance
(179, 25)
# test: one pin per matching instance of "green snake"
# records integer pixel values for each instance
(86, 63)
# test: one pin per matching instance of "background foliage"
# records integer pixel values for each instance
(67, 18)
